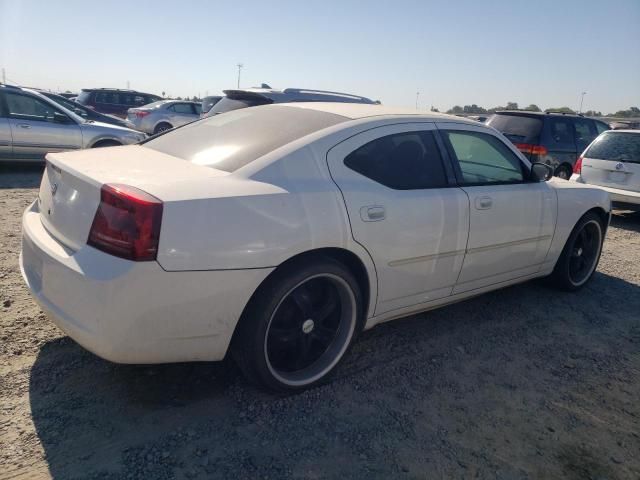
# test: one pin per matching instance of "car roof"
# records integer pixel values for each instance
(623, 130)
(355, 111)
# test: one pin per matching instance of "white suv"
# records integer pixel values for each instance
(612, 161)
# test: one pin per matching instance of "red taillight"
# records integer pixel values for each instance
(532, 149)
(141, 113)
(127, 223)
(577, 168)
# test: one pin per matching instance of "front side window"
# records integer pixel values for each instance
(403, 161)
(483, 158)
(26, 107)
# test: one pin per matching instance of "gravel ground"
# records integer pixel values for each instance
(525, 382)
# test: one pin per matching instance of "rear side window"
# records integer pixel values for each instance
(231, 141)
(404, 161)
(111, 98)
(517, 128)
(181, 108)
(602, 127)
(616, 146)
(585, 129)
(561, 130)
(483, 158)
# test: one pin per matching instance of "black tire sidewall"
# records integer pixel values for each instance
(561, 272)
(248, 343)
(162, 127)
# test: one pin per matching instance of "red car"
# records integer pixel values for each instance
(114, 101)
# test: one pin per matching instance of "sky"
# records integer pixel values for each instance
(458, 52)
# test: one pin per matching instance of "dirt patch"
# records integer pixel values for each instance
(525, 382)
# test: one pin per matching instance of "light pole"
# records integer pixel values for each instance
(239, 68)
(417, 95)
(581, 101)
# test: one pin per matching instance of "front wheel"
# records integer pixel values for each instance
(162, 127)
(298, 326)
(581, 254)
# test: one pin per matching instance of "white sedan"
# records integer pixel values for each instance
(280, 232)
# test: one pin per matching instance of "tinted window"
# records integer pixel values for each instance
(26, 107)
(235, 139)
(209, 102)
(84, 97)
(517, 128)
(227, 104)
(404, 161)
(181, 108)
(585, 129)
(561, 130)
(616, 146)
(602, 127)
(483, 158)
(112, 98)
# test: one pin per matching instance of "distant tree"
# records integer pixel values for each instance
(562, 110)
(163, 93)
(195, 99)
(495, 109)
(457, 109)
(474, 109)
(434, 109)
(532, 108)
(512, 106)
(593, 113)
(178, 98)
(631, 112)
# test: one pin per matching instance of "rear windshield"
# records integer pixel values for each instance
(209, 102)
(235, 139)
(517, 128)
(227, 104)
(616, 146)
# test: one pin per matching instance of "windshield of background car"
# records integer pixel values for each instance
(231, 141)
(517, 128)
(227, 104)
(616, 146)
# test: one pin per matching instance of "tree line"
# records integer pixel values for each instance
(477, 110)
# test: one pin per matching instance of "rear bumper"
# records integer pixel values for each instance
(133, 312)
(618, 196)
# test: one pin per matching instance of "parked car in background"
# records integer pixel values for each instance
(32, 125)
(68, 94)
(251, 97)
(163, 115)
(208, 102)
(612, 162)
(84, 112)
(281, 232)
(552, 138)
(114, 101)
(625, 125)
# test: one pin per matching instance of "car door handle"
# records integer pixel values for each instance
(24, 125)
(373, 213)
(483, 203)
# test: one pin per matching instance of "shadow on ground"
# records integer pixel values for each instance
(626, 220)
(20, 176)
(510, 384)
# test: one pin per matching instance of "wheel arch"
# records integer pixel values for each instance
(98, 141)
(355, 264)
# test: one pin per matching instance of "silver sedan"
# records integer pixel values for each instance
(159, 116)
(31, 125)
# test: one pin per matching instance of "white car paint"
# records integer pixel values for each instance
(224, 233)
(621, 179)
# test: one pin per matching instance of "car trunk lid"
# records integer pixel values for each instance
(70, 189)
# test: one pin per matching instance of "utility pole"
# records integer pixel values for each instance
(4, 76)
(128, 85)
(417, 96)
(239, 68)
(581, 100)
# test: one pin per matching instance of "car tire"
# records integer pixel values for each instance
(162, 127)
(581, 254)
(298, 325)
(563, 172)
(107, 143)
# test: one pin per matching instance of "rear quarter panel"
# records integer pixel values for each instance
(574, 200)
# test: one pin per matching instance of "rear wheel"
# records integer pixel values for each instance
(581, 254)
(298, 326)
(162, 127)
(564, 172)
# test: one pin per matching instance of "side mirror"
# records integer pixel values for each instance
(540, 172)
(61, 118)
